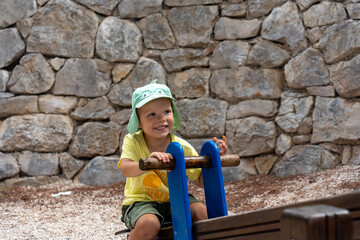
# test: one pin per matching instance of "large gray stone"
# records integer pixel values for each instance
(256, 107)
(121, 117)
(192, 26)
(24, 26)
(65, 29)
(138, 8)
(102, 171)
(56, 104)
(324, 13)
(18, 106)
(178, 59)
(192, 83)
(346, 77)
(121, 93)
(203, 117)
(283, 143)
(145, 71)
(70, 166)
(83, 78)
(322, 91)
(95, 109)
(305, 159)
(340, 41)
(353, 10)
(230, 29)
(336, 120)
(265, 163)
(120, 71)
(38, 164)
(156, 32)
(32, 76)
(268, 55)
(293, 111)
(37, 132)
(8, 166)
(304, 4)
(231, 173)
(284, 24)
(251, 136)
(229, 54)
(118, 40)
(12, 46)
(246, 83)
(246, 169)
(307, 70)
(12, 11)
(234, 9)
(95, 138)
(258, 8)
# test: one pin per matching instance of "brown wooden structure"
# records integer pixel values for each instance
(333, 218)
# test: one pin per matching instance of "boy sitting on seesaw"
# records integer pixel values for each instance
(146, 206)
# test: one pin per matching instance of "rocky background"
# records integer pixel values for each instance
(279, 78)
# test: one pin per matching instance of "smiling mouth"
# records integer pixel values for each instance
(162, 127)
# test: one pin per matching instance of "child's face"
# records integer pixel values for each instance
(156, 118)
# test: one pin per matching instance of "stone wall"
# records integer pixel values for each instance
(279, 78)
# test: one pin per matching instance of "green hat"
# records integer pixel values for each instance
(145, 94)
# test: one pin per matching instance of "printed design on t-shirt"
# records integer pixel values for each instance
(152, 183)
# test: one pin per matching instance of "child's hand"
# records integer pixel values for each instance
(164, 157)
(222, 145)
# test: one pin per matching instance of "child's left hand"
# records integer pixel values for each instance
(221, 144)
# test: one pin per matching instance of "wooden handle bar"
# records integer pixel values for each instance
(190, 162)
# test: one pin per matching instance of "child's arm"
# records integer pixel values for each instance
(129, 168)
(199, 182)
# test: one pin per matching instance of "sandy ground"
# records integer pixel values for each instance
(71, 210)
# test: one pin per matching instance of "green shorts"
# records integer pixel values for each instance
(131, 213)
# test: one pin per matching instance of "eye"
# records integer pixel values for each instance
(159, 91)
(145, 95)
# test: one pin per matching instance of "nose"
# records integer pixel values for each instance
(161, 117)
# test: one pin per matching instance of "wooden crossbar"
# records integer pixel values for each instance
(190, 162)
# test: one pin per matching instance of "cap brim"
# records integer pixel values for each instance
(153, 97)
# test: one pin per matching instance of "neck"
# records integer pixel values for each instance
(157, 145)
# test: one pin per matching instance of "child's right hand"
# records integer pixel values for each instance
(221, 144)
(161, 156)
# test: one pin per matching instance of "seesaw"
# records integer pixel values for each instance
(211, 162)
(335, 218)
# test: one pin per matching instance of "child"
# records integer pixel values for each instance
(146, 205)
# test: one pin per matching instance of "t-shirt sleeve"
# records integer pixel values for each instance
(128, 150)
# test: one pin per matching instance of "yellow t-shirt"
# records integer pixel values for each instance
(152, 185)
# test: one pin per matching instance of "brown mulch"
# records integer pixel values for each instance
(241, 195)
(94, 212)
